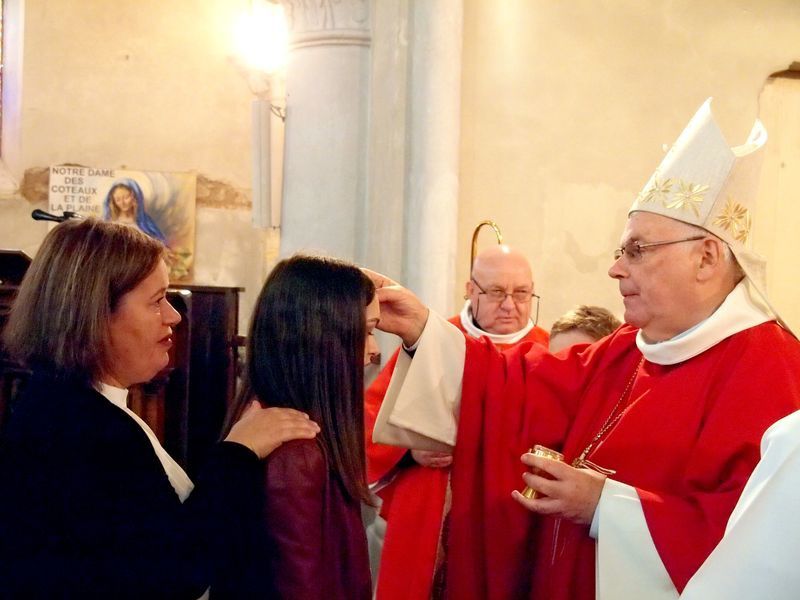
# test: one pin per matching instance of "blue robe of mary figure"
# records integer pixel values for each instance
(125, 204)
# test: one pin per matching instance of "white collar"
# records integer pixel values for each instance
(737, 313)
(115, 395)
(468, 323)
(177, 476)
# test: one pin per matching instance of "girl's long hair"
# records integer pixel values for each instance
(305, 351)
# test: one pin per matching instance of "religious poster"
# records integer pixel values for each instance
(162, 205)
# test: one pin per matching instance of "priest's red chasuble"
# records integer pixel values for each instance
(414, 500)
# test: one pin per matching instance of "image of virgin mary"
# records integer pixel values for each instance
(124, 203)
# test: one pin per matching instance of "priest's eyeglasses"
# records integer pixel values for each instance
(499, 296)
(633, 250)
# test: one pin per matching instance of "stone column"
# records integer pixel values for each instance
(434, 135)
(327, 90)
(415, 120)
(372, 137)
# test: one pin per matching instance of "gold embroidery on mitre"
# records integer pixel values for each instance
(656, 191)
(688, 195)
(735, 218)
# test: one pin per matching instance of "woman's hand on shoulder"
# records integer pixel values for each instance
(264, 429)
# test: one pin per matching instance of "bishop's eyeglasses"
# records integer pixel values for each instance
(633, 249)
(499, 296)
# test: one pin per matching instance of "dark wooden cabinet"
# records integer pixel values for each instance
(185, 404)
(13, 266)
(208, 385)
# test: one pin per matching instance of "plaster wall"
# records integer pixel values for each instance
(566, 107)
(140, 83)
(150, 86)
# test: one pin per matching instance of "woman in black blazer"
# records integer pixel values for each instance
(90, 503)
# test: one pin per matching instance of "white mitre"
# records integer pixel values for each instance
(703, 181)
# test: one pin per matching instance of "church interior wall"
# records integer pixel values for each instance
(146, 86)
(565, 111)
(566, 107)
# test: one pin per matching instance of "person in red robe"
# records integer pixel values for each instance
(413, 485)
(659, 424)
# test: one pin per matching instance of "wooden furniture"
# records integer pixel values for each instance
(13, 266)
(208, 386)
(185, 404)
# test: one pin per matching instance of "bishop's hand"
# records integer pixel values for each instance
(402, 313)
(570, 493)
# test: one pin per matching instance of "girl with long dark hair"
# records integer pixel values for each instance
(310, 337)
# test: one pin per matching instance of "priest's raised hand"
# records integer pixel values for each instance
(402, 313)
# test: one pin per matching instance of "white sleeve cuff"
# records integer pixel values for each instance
(628, 565)
(420, 408)
(596, 516)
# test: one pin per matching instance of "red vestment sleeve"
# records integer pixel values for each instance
(414, 525)
(381, 458)
(413, 502)
(489, 549)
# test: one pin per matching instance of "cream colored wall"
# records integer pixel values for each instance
(148, 85)
(566, 106)
(777, 220)
(141, 83)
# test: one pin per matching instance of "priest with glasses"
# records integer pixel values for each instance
(500, 305)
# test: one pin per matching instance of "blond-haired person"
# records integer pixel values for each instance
(582, 325)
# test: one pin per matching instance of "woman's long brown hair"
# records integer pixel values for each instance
(305, 351)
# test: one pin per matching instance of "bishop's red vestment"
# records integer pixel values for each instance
(687, 444)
